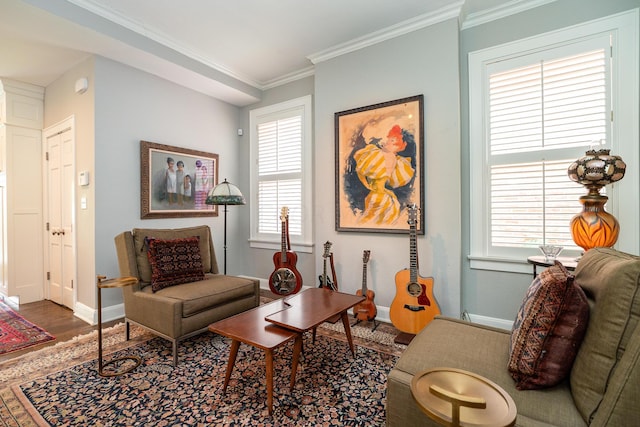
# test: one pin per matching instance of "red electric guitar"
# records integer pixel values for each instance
(414, 305)
(366, 310)
(285, 279)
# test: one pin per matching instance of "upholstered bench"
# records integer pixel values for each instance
(173, 302)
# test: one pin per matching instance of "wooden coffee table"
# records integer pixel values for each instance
(272, 325)
(250, 327)
(311, 307)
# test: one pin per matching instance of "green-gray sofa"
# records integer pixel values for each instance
(603, 388)
(180, 311)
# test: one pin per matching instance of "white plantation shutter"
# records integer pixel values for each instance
(542, 117)
(532, 203)
(281, 176)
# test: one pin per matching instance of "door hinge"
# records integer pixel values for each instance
(46, 155)
(47, 226)
(48, 275)
(72, 284)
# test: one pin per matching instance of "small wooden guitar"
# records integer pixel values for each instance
(366, 310)
(285, 279)
(414, 304)
(325, 282)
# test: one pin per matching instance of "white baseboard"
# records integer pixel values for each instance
(90, 315)
(491, 321)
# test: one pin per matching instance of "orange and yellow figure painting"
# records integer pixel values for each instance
(378, 165)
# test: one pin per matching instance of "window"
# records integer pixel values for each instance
(542, 117)
(536, 106)
(281, 152)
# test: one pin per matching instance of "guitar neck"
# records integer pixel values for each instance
(413, 255)
(324, 273)
(283, 248)
(364, 278)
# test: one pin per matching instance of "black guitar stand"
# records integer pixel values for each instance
(375, 323)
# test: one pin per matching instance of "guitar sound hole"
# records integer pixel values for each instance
(284, 281)
(414, 289)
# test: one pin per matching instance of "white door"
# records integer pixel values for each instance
(60, 195)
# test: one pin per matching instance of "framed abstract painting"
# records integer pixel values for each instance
(379, 166)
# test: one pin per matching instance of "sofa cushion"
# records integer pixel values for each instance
(214, 290)
(548, 330)
(144, 267)
(447, 342)
(174, 261)
(610, 279)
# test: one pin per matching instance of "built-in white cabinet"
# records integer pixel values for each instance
(21, 187)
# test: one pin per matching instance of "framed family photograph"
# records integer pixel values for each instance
(379, 166)
(174, 181)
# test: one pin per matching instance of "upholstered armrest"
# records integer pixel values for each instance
(620, 403)
(126, 255)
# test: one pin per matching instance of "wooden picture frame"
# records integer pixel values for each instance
(178, 190)
(380, 166)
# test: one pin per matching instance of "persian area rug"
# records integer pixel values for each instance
(332, 387)
(17, 333)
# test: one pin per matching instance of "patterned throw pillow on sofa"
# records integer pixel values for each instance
(174, 262)
(548, 330)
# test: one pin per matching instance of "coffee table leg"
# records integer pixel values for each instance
(232, 361)
(297, 348)
(347, 331)
(269, 375)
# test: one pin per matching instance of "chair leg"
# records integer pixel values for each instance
(127, 332)
(175, 353)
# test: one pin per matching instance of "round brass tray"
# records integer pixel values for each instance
(454, 397)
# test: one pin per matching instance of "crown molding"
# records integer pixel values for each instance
(408, 26)
(288, 78)
(162, 39)
(502, 11)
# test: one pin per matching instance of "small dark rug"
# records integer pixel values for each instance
(17, 333)
(332, 388)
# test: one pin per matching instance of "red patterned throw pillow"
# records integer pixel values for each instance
(548, 330)
(174, 262)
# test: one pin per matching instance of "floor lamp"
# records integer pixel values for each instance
(225, 194)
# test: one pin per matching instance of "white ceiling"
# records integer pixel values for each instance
(228, 49)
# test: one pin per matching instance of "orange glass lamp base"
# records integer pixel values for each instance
(594, 227)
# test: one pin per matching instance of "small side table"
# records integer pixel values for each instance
(569, 263)
(113, 283)
(441, 392)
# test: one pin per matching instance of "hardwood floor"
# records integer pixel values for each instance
(58, 320)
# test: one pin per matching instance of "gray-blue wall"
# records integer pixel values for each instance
(131, 105)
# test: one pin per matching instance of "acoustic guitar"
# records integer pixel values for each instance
(285, 279)
(414, 305)
(325, 282)
(366, 310)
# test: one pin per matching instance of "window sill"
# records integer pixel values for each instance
(277, 246)
(507, 265)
